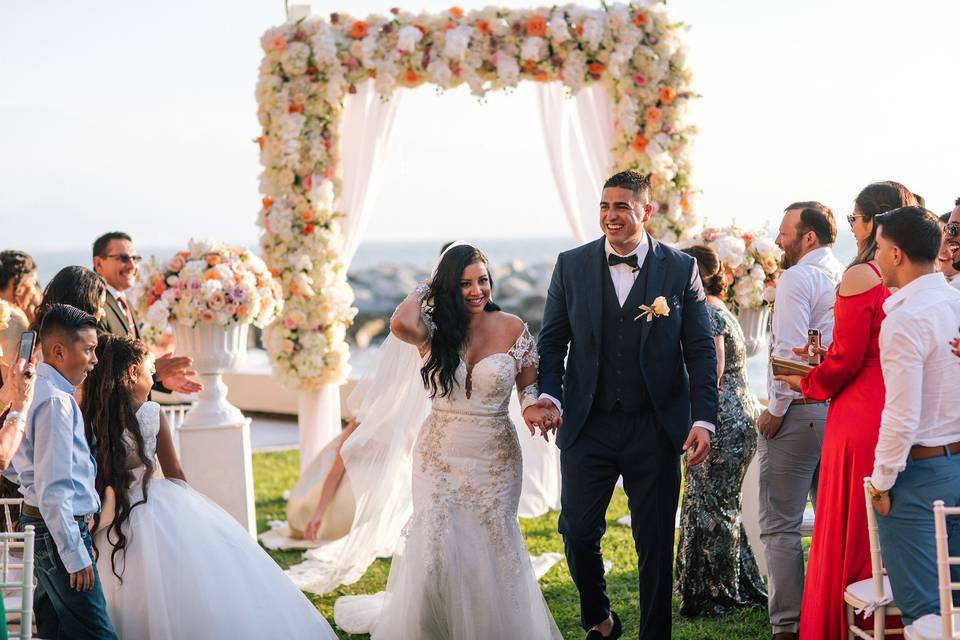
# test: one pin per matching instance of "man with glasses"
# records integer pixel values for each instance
(118, 263)
(951, 241)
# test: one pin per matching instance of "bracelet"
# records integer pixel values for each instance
(21, 424)
(11, 415)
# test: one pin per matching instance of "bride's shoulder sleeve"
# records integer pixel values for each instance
(149, 418)
(524, 350)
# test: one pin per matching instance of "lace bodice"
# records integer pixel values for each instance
(148, 416)
(484, 387)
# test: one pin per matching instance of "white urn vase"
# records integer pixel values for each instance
(754, 325)
(214, 349)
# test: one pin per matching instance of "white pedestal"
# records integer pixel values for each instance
(318, 417)
(217, 461)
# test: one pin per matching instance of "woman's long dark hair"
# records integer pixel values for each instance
(711, 274)
(76, 286)
(877, 198)
(110, 415)
(449, 312)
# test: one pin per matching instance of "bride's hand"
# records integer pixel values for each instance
(310, 533)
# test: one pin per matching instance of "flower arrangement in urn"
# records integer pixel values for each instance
(208, 284)
(750, 264)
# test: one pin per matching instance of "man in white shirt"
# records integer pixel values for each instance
(917, 459)
(791, 428)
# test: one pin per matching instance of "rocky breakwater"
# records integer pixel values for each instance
(519, 288)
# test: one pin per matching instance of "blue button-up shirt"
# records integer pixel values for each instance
(54, 466)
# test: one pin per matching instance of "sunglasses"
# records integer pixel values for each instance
(853, 218)
(952, 230)
(125, 258)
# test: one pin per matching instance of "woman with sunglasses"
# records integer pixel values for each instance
(851, 379)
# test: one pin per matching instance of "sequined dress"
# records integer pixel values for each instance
(462, 570)
(716, 570)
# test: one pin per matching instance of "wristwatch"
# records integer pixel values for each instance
(876, 494)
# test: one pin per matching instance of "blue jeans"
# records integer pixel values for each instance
(63, 613)
(907, 534)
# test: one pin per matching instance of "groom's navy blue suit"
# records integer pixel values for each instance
(630, 391)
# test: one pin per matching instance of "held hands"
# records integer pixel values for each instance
(82, 580)
(542, 415)
(697, 445)
(173, 373)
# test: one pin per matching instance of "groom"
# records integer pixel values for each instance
(642, 368)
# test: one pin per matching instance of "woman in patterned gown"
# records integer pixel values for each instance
(461, 570)
(716, 570)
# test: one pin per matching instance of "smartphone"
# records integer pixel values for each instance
(27, 341)
(813, 346)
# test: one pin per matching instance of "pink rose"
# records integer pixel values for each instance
(640, 80)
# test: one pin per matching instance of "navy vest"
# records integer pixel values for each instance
(620, 385)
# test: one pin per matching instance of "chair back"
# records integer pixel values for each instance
(876, 560)
(18, 575)
(944, 562)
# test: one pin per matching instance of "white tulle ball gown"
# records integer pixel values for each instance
(191, 571)
(462, 571)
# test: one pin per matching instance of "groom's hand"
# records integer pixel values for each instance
(697, 446)
(543, 416)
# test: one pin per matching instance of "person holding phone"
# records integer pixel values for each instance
(16, 396)
(851, 378)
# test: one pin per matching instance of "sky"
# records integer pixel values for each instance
(141, 116)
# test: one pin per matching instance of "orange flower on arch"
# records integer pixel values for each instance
(640, 18)
(410, 76)
(541, 76)
(652, 114)
(596, 68)
(483, 27)
(456, 12)
(537, 26)
(267, 203)
(640, 143)
(295, 108)
(667, 95)
(260, 142)
(358, 30)
(423, 29)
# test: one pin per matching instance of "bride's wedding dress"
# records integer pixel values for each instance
(462, 571)
(191, 571)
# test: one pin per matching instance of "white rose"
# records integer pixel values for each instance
(456, 42)
(531, 49)
(508, 71)
(439, 72)
(558, 28)
(407, 39)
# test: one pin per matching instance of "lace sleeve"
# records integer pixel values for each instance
(524, 350)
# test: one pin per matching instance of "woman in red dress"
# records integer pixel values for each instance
(851, 378)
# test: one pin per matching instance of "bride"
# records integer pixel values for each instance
(172, 563)
(461, 570)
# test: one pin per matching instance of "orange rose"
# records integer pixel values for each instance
(667, 95)
(267, 203)
(640, 143)
(595, 68)
(411, 77)
(307, 230)
(422, 28)
(639, 18)
(210, 275)
(358, 30)
(541, 76)
(483, 27)
(295, 108)
(537, 26)
(652, 114)
(449, 25)
(685, 202)
(260, 142)
(456, 12)
(307, 216)
(579, 29)
(213, 259)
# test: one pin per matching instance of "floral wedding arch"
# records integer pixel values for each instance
(311, 65)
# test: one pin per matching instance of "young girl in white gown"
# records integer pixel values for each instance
(172, 563)
(462, 571)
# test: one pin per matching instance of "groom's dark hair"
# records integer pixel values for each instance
(635, 181)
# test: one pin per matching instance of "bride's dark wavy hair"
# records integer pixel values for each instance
(110, 417)
(449, 312)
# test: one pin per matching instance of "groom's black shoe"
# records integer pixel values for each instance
(615, 632)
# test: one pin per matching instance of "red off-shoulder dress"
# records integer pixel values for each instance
(851, 378)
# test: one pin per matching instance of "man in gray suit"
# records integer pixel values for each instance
(116, 260)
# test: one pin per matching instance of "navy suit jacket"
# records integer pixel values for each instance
(678, 358)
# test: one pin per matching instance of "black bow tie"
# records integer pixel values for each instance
(613, 260)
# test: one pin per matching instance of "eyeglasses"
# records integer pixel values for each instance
(853, 218)
(125, 258)
(952, 230)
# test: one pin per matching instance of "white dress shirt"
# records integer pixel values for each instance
(920, 373)
(806, 293)
(624, 276)
(955, 281)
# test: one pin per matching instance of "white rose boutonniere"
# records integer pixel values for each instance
(659, 308)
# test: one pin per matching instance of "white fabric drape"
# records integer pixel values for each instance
(365, 137)
(578, 132)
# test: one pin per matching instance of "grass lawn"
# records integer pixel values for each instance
(276, 472)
